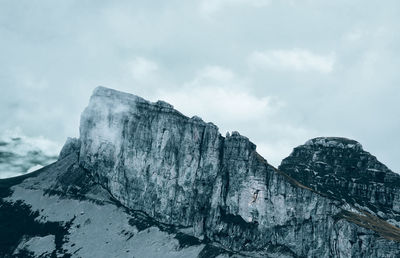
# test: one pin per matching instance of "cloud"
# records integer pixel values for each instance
(20, 154)
(296, 59)
(209, 7)
(142, 68)
(144, 47)
(216, 103)
(218, 95)
(235, 109)
(26, 144)
(214, 76)
(363, 34)
(355, 35)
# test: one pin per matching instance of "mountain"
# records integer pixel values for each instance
(342, 170)
(143, 180)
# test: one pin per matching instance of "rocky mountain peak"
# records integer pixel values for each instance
(341, 169)
(334, 142)
(107, 93)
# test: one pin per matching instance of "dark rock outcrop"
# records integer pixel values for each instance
(342, 170)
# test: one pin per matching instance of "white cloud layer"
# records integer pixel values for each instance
(142, 68)
(39, 143)
(218, 95)
(219, 104)
(294, 59)
(23, 154)
(279, 72)
(209, 7)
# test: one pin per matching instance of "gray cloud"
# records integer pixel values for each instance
(279, 72)
(293, 59)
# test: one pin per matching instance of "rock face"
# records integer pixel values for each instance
(342, 170)
(181, 171)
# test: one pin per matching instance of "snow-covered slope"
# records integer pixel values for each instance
(59, 212)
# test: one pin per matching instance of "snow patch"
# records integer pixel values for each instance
(34, 168)
(99, 230)
(334, 142)
(39, 246)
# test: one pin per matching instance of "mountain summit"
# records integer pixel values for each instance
(143, 180)
(342, 170)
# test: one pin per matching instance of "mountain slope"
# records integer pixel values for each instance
(59, 211)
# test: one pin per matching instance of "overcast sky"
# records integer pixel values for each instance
(277, 71)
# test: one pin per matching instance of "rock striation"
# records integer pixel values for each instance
(181, 171)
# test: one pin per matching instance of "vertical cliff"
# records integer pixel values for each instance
(150, 156)
(181, 171)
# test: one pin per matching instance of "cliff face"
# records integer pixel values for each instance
(149, 156)
(181, 171)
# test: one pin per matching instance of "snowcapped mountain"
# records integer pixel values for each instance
(143, 180)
